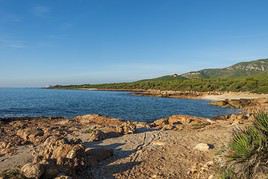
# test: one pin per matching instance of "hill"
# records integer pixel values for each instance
(237, 70)
(246, 76)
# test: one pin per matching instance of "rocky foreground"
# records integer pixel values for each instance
(94, 146)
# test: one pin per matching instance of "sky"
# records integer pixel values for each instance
(99, 41)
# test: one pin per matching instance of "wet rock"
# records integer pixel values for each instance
(32, 170)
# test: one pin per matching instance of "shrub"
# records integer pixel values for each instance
(249, 149)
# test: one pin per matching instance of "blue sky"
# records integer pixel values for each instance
(94, 41)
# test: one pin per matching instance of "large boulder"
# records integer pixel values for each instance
(60, 155)
(66, 156)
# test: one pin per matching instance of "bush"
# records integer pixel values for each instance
(249, 149)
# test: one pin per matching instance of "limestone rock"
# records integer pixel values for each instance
(126, 128)
(32, 170)
(235, 103)
(211, 177)
(30, 134)
(160, 123)
(203, 147)
(185, 119)
(68, 157)
(219, 103)
(98, 119)
(97, 135)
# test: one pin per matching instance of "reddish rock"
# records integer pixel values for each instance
(98, 119)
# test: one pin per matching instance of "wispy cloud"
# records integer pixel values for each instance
(12, 44)
(40, 10)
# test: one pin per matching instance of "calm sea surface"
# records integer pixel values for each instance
(124, 105)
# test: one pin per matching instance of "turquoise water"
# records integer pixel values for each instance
(124, 105)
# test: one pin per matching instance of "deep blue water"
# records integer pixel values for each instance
(124, 105)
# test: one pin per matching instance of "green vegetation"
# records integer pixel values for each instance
(238, 70)
(249, 149)
(257, 83)
(246, 76)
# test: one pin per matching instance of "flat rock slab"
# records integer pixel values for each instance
(22, 156)
(162, 154)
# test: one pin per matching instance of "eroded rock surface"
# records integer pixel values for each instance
(95, 146)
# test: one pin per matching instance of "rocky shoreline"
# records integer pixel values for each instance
(74, 148)
(249, 102)
(96, 146)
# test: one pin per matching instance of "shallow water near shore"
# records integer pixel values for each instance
(32, 102)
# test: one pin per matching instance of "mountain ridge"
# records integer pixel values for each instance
(239, 69)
